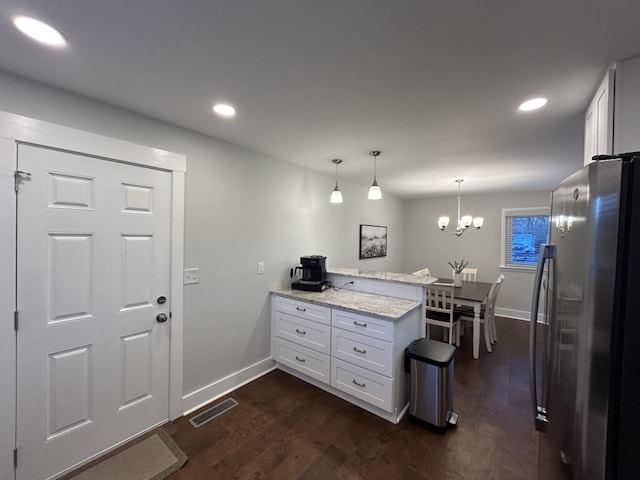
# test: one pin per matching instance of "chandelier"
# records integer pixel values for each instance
(464, 222)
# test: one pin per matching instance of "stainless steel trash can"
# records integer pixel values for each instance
(430, 366)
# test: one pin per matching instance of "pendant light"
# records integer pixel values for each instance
(374, 191)
(336, 195)
(464, 222)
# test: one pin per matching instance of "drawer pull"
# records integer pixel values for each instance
(301, 309)
(301, 360)
(360, 324)
(356, 349)
(301, 332)
(361, 385)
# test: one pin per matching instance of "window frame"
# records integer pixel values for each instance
(519, 212)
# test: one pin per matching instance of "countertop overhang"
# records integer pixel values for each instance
(386, 276)
(388, 308)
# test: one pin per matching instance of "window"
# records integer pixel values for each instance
(523, 230)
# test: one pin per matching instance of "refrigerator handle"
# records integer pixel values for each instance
(547, 252)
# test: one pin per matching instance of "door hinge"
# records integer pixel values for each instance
(15, 320)
(18, 176)
(15, 458)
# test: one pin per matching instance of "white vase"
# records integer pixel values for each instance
(457, 280)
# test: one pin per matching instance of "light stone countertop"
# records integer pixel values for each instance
(388, 308)
(386, 276)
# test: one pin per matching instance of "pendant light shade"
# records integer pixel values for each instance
(374, 191)
(336, 195)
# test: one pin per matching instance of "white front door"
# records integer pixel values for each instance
(93, 261)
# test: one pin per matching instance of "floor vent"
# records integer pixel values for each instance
(212, 412)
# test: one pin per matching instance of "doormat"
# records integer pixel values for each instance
(154, 458)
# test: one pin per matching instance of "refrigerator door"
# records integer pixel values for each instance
(568, 232)
(584, 228)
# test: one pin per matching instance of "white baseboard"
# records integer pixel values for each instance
(517, 314)
(199, 398)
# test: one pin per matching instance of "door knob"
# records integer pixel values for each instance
(162, 317)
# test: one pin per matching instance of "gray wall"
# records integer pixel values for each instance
(241, 208)
(427, 246)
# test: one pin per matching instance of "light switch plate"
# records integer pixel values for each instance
(260, 268)
(191, 275)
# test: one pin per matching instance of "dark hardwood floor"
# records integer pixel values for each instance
(284, 428)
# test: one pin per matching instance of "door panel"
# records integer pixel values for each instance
(135, 362)
(69, 392)
(93, 255)
(70, 277)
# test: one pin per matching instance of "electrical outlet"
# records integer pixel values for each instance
(260, 268)
(191, 275)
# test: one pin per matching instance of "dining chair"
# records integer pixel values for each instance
(492, 325)
(440, 311)
(423, 273)
(469, 274)
(487, 313)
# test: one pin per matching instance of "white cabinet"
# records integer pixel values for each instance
(303, 360)
(365, 324)
(598, 121)
(363, 358)
(366, 352)
(626, 136)
(363, 384)
(355, 356)
(301, 336)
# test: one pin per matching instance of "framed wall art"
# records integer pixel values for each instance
(373, 241)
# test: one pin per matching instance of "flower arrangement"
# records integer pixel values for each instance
(458, 267)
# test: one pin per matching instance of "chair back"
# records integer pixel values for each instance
(440, 300)
(423, 273)
(469, 274)
(493, 295)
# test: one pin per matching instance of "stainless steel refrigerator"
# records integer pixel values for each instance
(585, 354)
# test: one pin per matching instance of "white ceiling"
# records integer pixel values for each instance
(433, 85)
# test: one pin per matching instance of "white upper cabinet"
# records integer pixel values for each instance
(627, 106)
(598, 121)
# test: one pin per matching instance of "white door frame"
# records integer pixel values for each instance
(18, 129)
(7, 305)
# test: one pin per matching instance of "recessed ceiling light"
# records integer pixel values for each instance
(39, 31)
(532, 104)
(224, 110)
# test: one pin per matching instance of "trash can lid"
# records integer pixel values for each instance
(431, 351)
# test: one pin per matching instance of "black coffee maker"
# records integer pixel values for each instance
(314, 274)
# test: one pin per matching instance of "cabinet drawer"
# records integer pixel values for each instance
(366, 352)
(308, 311)
(310, 334)
(372, 327)
(302, 359)
(370, 387)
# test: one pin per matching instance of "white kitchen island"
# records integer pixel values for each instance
(401, 285)
(348, 343)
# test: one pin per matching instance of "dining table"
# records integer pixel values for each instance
(473, 294)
